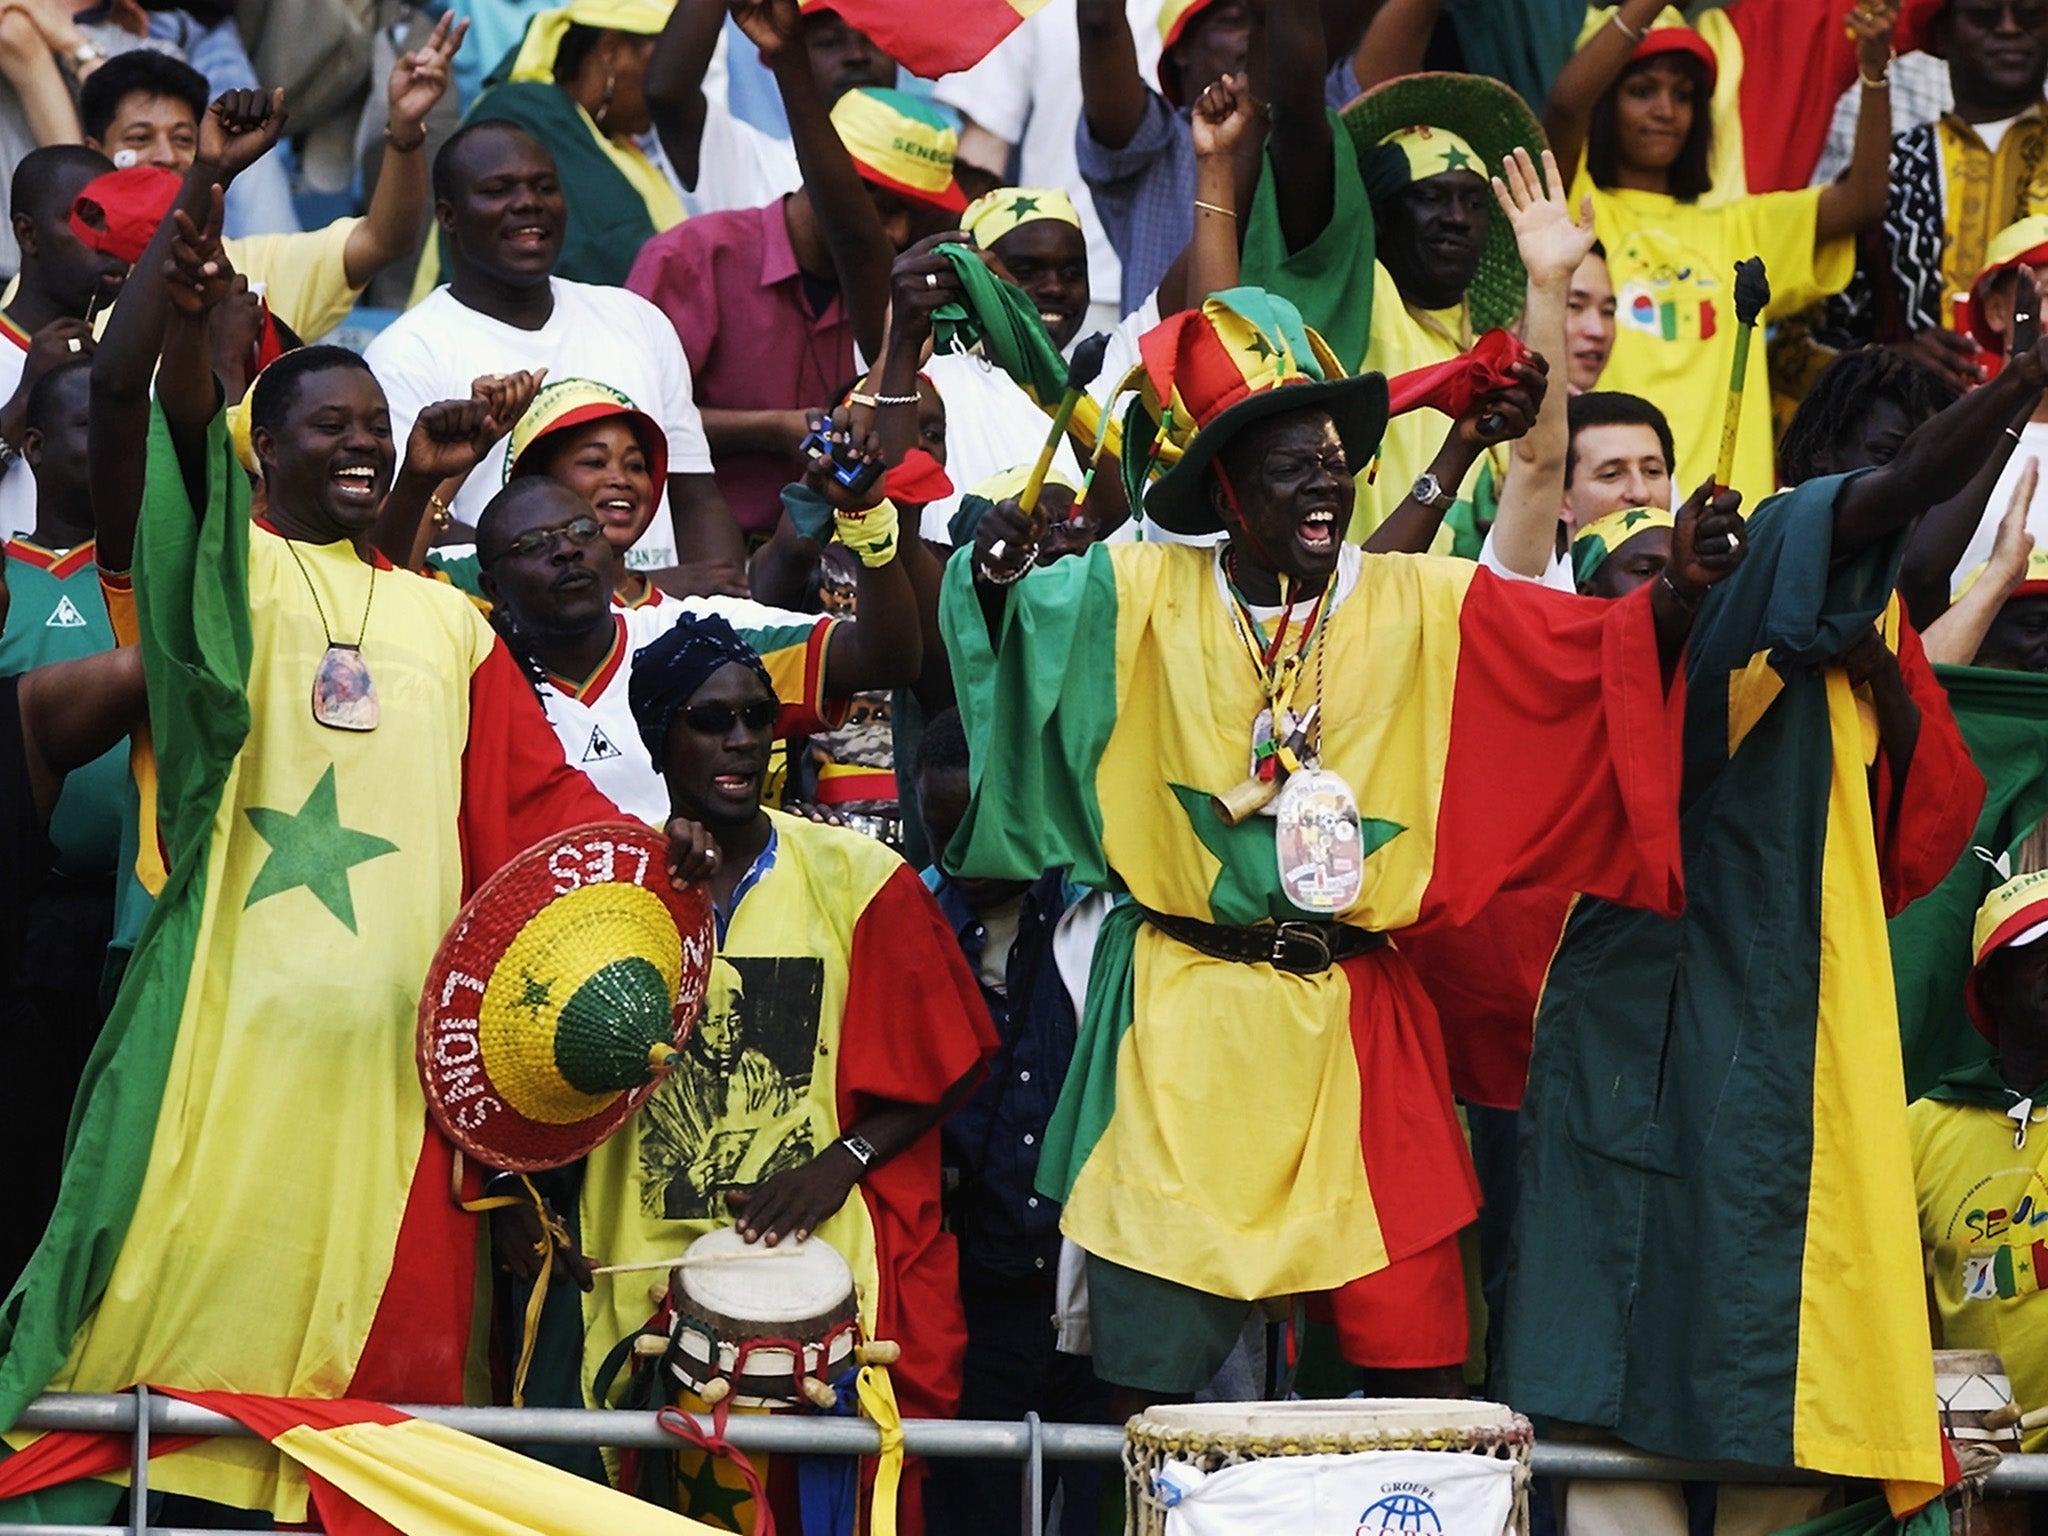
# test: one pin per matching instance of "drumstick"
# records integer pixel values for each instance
(687, 1262)
(1752, 293)
(2008, 1415)
(1087, 362)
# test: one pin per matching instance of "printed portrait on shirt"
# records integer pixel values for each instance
(737, 1110)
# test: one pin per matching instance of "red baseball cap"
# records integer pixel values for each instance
(118, 214)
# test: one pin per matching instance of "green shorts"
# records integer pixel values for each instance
(1159, 1335)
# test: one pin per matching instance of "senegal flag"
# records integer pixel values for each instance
(1243, 1130)
(373, 1469)
(2004, 718)
(253, 1200)
(1717, 1250)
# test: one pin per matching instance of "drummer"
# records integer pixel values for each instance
(845, 1003)
(549, 572)
(1979, 1147)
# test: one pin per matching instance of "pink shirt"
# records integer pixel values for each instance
(729, 284)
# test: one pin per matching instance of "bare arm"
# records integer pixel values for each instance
(1587, 74)
(1299, 146)
(1552, 244)
(675, 82)
(729, 431)
(31, 71)
(980, 147)
(1395, 41)
(1222, 114)
(72, 711)
(397, 215)
(1956, 635)
(1112, 90)
(1494, 418)
(706, 535)
(1857, 201)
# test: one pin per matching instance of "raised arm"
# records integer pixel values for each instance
(397, 216)
(1940, 454)
(196, 278)
(1394, 41)
(883, 645)
(1222, 115)
(1857, 201)
(1112, 90)
(1568, 112)
(675, 82)
(861, 252)
(1956, 635)
(448, 439)
(236, 131)
(1707, 547)
(30, 70)
(1299, 146)
(1501, 416)
(1552, 244)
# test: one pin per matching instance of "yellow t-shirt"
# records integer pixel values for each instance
(1403, 339)
(1673, 266)
(1984, 1225)
(304, 276)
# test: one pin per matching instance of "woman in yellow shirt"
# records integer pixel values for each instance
(1630, 109)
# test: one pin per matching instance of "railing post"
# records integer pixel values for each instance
(1034, 1477)
(138, 1474)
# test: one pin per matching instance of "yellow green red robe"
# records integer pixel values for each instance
(254, 1199)
(1229, 1126)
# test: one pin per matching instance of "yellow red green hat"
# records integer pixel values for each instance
(2020, 244)
(542, 39)
(901, 144)
(2034, 581)
(2014, 914)
(563, 992)
(570, 403)
(1209, 373)
(1437, 122)
(994, 214)
(1597, 540)
(1174, 17)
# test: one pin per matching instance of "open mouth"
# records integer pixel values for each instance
(736, 786)
(1318, 531)
(355, 483)
(618, 511)
(529, 237)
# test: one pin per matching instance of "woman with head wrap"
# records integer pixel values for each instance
(859, 1020)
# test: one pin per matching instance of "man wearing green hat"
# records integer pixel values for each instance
(1289, 768)
(1379, 224)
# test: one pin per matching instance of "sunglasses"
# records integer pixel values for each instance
(579, 530)
(717, 719)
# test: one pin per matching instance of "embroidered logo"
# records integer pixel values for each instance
(600, 748)
(65, 616)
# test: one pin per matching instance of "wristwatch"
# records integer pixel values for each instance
(85, 55)
(1428, 490)
(862, 1149)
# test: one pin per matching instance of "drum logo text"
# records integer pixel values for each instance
(1404, 1509)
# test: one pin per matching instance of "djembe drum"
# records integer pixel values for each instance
(1347, 1467)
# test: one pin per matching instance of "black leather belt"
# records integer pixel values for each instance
(1299, 948)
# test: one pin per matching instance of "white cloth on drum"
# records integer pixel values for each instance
(1365, 1493)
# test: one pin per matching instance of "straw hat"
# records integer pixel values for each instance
(561, 996)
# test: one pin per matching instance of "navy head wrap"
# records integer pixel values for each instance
(668, 673)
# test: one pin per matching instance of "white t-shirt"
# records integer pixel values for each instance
(595, 725)
(991, 426)
(434, 350)
(17, 482)
(1027, 92)
(2033, 444)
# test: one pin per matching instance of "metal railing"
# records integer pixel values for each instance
(1030, 1440)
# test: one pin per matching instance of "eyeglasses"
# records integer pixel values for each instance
(717, 719)
(578, 530)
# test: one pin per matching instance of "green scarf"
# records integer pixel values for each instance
(1001, 319)
(1981, 1083)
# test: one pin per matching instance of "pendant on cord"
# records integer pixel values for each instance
(344, 693)
(1317, 843)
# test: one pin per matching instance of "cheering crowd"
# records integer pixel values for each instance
(1361, 687)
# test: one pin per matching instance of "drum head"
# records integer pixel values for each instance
(1370, 1416)
(789, 1284)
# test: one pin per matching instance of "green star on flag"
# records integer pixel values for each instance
(1023, 205)
(1630, 519)
(1455, 159)
(705, 1498)
(311, 847)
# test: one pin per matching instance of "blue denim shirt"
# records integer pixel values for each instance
(1006, 1228)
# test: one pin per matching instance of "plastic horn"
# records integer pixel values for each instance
(1752, 293)
(1087, 362)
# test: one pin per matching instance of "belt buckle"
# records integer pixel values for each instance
(1300, 949)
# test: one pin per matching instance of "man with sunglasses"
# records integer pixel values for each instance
(848, 1024)
(548, 573)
